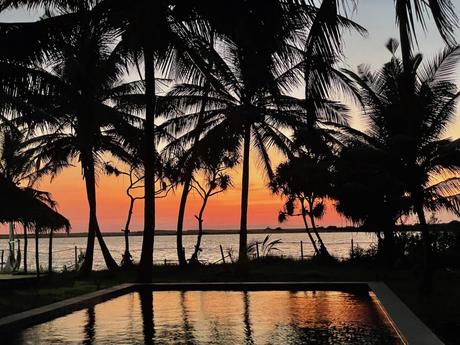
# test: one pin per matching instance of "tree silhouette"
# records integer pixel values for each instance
(85, 67)
(417, 155)
(306, 181)
(213, 165)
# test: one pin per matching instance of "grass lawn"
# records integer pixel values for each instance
(440, 311)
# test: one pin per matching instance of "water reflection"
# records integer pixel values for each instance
(247, 321)
(90, 329)
(219, 317)
(148, 327)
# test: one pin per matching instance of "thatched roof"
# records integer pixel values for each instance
(24, 205)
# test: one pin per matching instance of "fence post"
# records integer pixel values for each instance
(257, 250)
(2, 262)
(222, 253)
(76, 258)
(301, 250)
(352, 249)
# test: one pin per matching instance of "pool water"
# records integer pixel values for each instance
(220, 317)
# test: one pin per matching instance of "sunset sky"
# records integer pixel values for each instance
(377, 16)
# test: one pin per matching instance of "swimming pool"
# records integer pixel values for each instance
(220, 317)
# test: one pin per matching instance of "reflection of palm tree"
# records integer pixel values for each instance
(90, 326)
(248, 339)
(188, 328)
(148, 326)
(425, 164)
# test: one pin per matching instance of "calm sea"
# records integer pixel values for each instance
(338, 244)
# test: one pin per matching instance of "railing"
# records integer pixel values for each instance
(71, 262)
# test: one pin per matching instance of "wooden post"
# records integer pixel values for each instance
(76, 258)
(50, 252)
(37, 255)
(257, 250)
(352, 249)
(2, 262)
(301, 250)
(166, 262)
(222, 253)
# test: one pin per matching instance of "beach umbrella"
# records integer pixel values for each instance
(31, 207)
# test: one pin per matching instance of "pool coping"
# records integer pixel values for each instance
(408, 326)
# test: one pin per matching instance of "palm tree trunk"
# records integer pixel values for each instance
(180, 222)
(403, 34)
(25, 248)
(313, 243)
(389, 242)
(37, 256)
(426, 285)
(243, 248)
(323, 250)
(186, 190)
(127, 255)
(146, 262)
(93, 228)
(194, 257)
(50, 252)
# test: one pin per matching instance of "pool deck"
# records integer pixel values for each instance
(409, 327)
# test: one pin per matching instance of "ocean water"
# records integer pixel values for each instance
(338, 244)
(220, 317)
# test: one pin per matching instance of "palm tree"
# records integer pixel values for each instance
(155, 31)
(85, 64)
(239, 99)
(408, 12)
(419, 157)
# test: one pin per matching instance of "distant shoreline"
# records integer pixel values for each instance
(453, 226)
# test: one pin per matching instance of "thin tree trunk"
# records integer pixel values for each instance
(93, 228)
(200, 229)
(180, 222)
(323, 248)
(427, 281)
(303, 211)
(186, 190)
(50, 252)
(243, 248)
(389, 243)
(146, 262)
(37, 256)
(127, 255)
(25, 248)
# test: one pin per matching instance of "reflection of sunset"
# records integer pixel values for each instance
(223, 317)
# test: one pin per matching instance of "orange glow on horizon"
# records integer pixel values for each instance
(222, 212)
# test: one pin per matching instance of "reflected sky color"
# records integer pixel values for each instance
(219, 317)
(224, 210)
